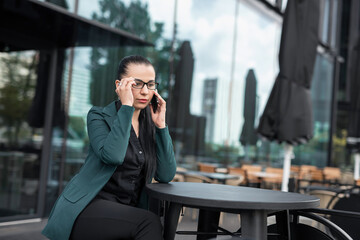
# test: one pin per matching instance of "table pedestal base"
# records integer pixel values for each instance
(254, 224)
(171, 221)
(208, 222)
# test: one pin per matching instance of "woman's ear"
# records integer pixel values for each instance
(117, 83)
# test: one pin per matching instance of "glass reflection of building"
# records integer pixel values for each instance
(37, 161)
(209, 106)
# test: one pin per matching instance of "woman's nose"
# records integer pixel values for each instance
(145, 89)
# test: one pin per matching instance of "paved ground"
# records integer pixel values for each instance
(32, 231)
(26, 231)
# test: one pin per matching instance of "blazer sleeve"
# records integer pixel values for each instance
(166, 164)
(110, 143)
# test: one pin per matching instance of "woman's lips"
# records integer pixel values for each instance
(143, 100)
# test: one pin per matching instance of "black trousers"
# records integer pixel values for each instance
(103, 220)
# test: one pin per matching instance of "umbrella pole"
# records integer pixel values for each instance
(246, 157)
(288, 154)
(357, 166)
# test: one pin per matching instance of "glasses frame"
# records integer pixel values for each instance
(146, 83)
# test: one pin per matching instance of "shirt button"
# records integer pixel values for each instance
(140, 152)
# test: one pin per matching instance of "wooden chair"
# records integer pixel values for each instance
(317, 175)
(273, 182)
(304, 176)
(295, 171)
(236, 171)
(332, 174)
(251, 180)
(197, 178)
(304, 173)
(178, 178)
(181, 169)
(203, 167)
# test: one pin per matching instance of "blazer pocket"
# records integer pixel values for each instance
(73, 193)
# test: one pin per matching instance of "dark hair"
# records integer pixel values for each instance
(146, 125)
(126, 61)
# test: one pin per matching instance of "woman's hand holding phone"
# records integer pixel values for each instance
(123, 90)
(158, 116)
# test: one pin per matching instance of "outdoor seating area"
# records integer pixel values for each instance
(334, 189)
(301, 177)
(254, 103)
(294, 215)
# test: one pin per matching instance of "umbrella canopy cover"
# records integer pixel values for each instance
(248, 134)
(288, 113)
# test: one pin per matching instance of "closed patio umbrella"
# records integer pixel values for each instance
(288, 113)
(248, 134)
(353, 139)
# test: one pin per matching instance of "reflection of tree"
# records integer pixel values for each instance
(133, 18)
(16, 93)
(78, 125)
(224, 154)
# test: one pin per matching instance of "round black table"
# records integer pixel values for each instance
(252, 203)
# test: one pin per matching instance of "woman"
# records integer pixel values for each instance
(129, 145)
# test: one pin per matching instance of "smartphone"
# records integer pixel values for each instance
(154, 103)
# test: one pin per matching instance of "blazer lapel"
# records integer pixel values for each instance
(110, 113)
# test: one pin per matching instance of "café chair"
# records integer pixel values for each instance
(328, 197)
(235, 182)
(306, 168)
(273, 183)
(250, 179)
(181, 169)
(197, 178)
(304, 172)
(203, 167)
(308, 174)
(332, 174)
(178, 178)
(348, 203)
(357, 182)
(317, 175)
(238, 172)
(295, 170)
(297, 229)
(341, 206)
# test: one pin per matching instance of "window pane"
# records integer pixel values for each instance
(316, 151)
(324, 20)
(20, 140)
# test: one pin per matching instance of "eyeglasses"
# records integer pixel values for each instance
(139, 84)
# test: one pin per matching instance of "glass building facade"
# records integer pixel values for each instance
(210, 56)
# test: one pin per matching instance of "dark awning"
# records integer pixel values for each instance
(31, 24)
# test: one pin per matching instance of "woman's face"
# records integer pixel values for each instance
(145, 73)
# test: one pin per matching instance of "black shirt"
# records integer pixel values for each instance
(126, 183)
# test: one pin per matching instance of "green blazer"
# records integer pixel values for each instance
(109, 133)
